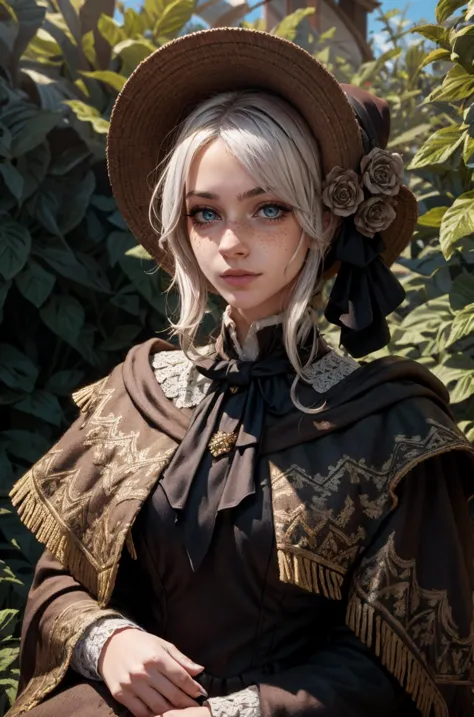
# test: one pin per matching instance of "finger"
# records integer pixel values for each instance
(164, 664)
(134, 704)
(174, 694)
(189, 665)
(155, 701)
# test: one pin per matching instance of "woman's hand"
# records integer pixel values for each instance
(147, 674)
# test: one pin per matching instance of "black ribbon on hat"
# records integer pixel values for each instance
(365, 290)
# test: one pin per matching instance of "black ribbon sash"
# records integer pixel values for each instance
(198, 485)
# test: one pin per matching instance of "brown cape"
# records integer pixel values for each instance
(340, 528)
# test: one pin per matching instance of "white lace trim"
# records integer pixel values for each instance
(245, 703)
(86, 654)
(179, 378)
(329, 370)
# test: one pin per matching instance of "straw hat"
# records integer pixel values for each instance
(168, 84)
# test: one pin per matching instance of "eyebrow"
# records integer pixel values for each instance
(255, 192)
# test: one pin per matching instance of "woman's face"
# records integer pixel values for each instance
(243, 238)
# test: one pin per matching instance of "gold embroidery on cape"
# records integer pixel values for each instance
(56, 656)
(388, 608)
(323, 521)
(85, 535)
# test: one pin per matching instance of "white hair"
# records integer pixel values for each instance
(275, 146)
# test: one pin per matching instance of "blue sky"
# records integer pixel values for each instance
(417, 10)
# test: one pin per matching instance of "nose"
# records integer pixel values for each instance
(232, 242)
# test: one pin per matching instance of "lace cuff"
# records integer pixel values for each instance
(85, 658)
(245, 703)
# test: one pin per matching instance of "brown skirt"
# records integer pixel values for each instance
(86, 699)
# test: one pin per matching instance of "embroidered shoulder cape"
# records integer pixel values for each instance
(344, 505)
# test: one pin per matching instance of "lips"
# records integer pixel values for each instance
(238, 272)
(238, 278)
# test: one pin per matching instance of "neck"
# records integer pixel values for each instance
(243, 320)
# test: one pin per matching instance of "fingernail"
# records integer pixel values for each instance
(195, 665)
(203, 691)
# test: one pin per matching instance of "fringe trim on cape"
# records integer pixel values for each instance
(84, 397)
(308, 572)
(375, 633)
(37, 518)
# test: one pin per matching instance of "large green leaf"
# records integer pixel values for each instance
(110, 30)
(87, 113)
(174, 16)
(12, 178)
(113, 79)
(462, 291)
(64, 316)
(462, 326)
(60, 206)
(410, 136)
(67, 265)
(463, 48)
(436, 33)
(28, 12)
(457, 223)
(468, 150)
(8, 620)
(457, 85)
(34, 131)
(288, 27)
(438, 55)
(433, 217)
(132, 52)
(41, 404)
(33, 166)
(65, 382)
(438, 148)
(17, 371)
(134, 23)
(15, 246)
(445, 8)
(35, 283)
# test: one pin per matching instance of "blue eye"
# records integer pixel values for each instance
(271, 211)
(274, 212)
(202, 215)
(208, 215)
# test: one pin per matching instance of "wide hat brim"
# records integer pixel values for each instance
(168, 84)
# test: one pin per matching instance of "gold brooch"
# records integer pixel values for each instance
(222, 442)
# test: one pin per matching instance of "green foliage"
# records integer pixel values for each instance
(76, 291)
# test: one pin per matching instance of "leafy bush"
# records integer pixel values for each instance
(76, 291)
(436, 324)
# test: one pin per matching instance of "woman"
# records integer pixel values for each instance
(259, 525)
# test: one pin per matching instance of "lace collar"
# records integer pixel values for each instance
(186, 387)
